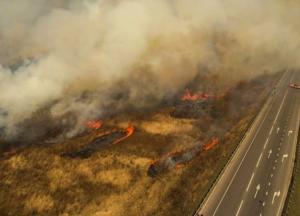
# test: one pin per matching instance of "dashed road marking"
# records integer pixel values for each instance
(238, 211)
(257, 189)
(250, 182)
(276, 194)
(270, 152)
(259, 160)
(284, 156)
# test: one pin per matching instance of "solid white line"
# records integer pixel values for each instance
(222, 198)
(224, 194)
(250, 182)
(279, 111)
(275, 119)
(238, 211)
(259, 160)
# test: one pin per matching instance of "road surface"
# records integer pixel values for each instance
(257, 178)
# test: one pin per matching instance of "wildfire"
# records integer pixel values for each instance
(128, 132)
(188, 96)
(179, 166)
(214, 141)
(178, 160)
(94, 124)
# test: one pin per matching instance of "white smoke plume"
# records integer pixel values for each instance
(52, 52)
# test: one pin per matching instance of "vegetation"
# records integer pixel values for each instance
(114, 181)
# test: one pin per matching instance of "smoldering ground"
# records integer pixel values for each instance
(130, 52)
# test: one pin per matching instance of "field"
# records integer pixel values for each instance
(114, 181)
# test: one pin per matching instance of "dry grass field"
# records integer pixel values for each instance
(114, 181)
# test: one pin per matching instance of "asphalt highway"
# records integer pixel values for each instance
(256, 179)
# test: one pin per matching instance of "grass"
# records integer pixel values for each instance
(37, 181)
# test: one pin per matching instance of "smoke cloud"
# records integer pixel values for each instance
(90, 57)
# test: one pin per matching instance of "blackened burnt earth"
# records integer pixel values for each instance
(96, 145)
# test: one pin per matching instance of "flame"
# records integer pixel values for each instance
(9, 153)
(188, 96)
(129, 131)
(214, 141)
(94, 124)
(179, 166)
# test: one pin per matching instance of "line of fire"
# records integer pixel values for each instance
(204, 106)
(166, 162)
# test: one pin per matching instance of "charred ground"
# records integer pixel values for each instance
(43, 178)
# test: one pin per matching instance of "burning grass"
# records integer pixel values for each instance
(113, 179)
(103, 141)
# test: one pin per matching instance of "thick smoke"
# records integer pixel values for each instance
(87, 57)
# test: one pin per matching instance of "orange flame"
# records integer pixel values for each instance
(129, 131)
(188, 96)
(94, 124)
(211, 144)
(10, 153)
(180, 166)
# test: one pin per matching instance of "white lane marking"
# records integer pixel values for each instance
(279, 109)
(238, 211)
(236, 171)
(266, 142)
(259, 160)
(267, 193)
(290, 132)
(269, 184)
(277, 154)
(258, 129)
(275, 161)
(257, 189)
(284, 156)
(272, 175)
(274, 167)
(264, 203)
(270, 152)
(250, 182)
(278, 130)
(276, 194)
